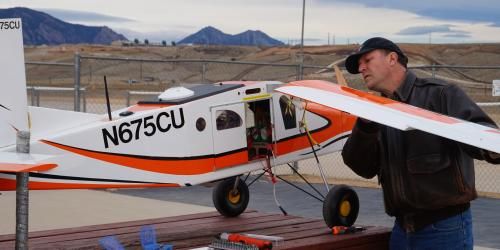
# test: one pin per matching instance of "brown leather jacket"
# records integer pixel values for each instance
(419, 171)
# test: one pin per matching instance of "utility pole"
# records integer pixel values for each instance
(302, 41)
(328, 38)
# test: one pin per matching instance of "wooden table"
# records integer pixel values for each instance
(197, 230)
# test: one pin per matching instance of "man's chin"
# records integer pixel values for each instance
(373, 87)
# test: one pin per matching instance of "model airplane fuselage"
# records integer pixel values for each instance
(213, 132)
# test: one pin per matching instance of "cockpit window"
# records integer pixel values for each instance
(227, 119)
(288, 112)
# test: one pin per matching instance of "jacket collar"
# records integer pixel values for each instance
(403, 92)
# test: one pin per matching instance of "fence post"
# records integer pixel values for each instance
(22, 194)
(77, 82)
(433, 71)
(84, 97)
(301, 69)
(140, 71)
(32, 95)
(37, 95)
(128, 98)
(295, 166)
(203, 72)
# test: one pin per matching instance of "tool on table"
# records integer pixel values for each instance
(240, 238)
(220, 244)
(276, 240)
(337, 230)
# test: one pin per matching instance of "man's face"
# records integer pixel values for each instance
(375, 67)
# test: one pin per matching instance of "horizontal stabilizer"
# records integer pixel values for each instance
(394, 114)
(19, 162)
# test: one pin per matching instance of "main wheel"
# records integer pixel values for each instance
(229, 202)
(341, 206)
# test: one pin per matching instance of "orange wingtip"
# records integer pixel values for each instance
(20, 168)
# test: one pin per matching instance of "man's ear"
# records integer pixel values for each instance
(393, 58)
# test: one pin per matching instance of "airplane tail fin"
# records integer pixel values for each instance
(13, 99)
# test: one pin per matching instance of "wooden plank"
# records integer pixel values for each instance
(187, 232)
(208, 236)
(8, 237)
(177, 230)
(273, 230)
(324, 239)
(175, 225)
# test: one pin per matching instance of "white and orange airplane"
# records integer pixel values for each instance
(200, 134)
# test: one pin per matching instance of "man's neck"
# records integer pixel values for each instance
(396, 80)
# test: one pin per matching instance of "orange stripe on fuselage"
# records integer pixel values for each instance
(165, 166)
(8, 184)
(240, 157)
(336, 126)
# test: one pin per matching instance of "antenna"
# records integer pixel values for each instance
(107, 97)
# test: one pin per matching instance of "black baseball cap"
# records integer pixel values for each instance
(352, 61)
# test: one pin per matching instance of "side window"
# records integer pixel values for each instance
(288, 112)
(227, 119)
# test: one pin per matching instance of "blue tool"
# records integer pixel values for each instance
(148, 239)
(110, 243)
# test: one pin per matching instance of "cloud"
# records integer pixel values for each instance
(456, 10)
(83, 16)
(444, 30)
(458, 35)
(423, 30)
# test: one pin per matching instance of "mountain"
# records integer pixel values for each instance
(41, 28)
(211, 35)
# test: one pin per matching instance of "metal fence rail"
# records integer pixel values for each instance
(133, 79)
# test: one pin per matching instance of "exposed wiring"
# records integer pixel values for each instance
(273, 179)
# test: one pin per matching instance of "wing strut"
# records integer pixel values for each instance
(312, 143)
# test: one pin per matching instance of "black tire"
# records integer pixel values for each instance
(228, 204)
(341, 206)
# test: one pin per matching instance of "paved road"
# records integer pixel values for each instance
(485, 211)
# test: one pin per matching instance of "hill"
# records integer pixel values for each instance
(212, 36)
(41, 28)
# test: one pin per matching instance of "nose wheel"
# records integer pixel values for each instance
(341, 206)
(231, 197)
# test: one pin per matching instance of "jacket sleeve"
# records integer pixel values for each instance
(458, 104)
(361, 150)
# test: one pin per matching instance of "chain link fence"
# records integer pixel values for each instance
(79, 86)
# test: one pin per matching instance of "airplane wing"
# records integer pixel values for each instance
(392, 113)
(18, 162)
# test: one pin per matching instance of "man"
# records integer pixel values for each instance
(427, 180)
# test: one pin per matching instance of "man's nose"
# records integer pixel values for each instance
(361, 67)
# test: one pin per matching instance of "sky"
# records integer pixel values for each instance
(326, 21)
